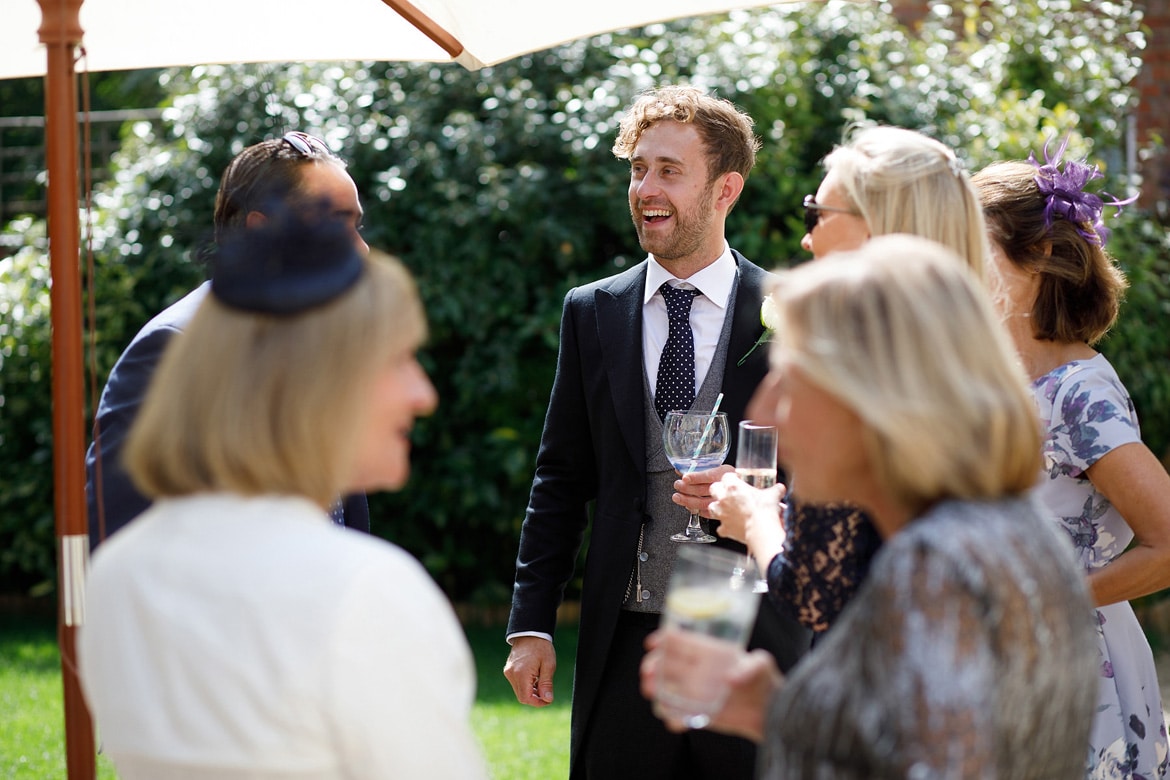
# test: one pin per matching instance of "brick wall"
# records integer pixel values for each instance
(910, 13)
(1153, 111)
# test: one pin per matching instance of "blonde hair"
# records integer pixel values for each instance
(906, 337)
(901, 181)
(256, 403)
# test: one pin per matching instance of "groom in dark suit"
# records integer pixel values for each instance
(672, 332)
(296, 172)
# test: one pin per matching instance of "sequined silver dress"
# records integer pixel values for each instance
(963, 655)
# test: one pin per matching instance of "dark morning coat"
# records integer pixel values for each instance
(121, 398)
(593, 449)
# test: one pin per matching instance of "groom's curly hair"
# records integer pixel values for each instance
(726, 131)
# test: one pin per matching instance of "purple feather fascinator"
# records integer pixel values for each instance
(1065, 192)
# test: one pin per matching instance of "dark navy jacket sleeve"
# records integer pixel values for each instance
(122, 397)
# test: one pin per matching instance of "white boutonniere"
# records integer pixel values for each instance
(769, 318)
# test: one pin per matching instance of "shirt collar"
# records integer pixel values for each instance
(714, 282)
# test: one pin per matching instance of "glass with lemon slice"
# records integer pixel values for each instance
(710, 611)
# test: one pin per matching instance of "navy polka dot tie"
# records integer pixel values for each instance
(675, 389)
(337, 512)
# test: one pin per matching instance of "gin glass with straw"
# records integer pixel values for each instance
(695, 441)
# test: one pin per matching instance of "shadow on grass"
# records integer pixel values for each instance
(519, 743)
(28, 644)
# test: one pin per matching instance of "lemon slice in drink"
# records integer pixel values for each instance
(697, 603)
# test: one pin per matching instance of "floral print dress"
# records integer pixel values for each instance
(1086, 413)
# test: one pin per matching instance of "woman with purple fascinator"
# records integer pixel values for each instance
(1058, 292)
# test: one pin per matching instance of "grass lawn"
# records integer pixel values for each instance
(520, 743)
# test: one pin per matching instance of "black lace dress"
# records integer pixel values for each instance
(826, 556)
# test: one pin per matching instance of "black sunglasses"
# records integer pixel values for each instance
(306, 144)
(812, 212)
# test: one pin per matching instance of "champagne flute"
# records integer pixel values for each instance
(695, 441)
(755, 454)
(755, 464)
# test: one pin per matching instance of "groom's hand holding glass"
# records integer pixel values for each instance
(693, 490)
(695, 442)
(720, 494)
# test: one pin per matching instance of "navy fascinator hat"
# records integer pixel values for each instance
(286, 266)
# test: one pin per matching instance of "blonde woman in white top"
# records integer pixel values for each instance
(233, 630)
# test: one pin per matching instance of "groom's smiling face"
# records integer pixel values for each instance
(672, 199)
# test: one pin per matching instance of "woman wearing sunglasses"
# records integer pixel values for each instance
(886, 180)
(882, 180)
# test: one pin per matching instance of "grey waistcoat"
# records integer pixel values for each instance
(656, 551)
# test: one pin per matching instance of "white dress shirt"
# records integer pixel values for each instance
(708, 311)
(234, 638)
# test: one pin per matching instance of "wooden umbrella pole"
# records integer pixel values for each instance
(61, 32)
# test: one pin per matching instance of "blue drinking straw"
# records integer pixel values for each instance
(706, 433)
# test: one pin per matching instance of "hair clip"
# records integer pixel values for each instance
(956, 166)
(1065, 193)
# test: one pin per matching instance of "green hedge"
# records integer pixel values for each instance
(499, 191)
(1139, 344)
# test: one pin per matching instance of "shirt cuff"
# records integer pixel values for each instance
(512, 637)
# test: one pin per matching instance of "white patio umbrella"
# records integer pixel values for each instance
(133, 34)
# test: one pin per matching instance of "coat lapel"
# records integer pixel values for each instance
(619, 328)
(740, 379)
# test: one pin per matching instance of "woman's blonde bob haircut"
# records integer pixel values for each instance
(253, 403)
(902, 181)
(904, 335)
